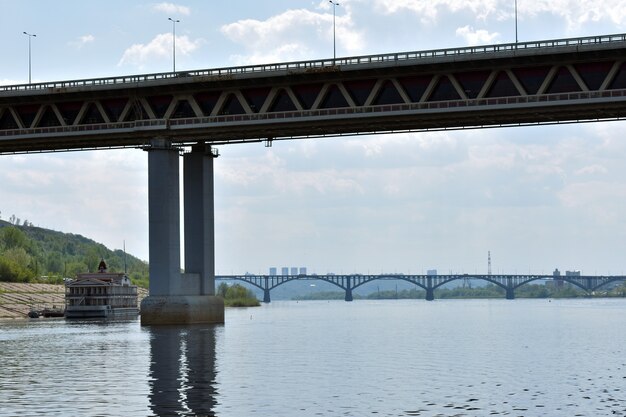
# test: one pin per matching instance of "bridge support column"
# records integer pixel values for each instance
(430, 292)
(510, 293)
(199, 216)
(266, 295)
(510, 290)
(177, 298)
(349, 294)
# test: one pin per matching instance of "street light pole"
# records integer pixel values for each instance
(335, 4)
(515, 21)
(30, 35)
(173, 41)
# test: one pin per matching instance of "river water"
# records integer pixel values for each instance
(365, 358)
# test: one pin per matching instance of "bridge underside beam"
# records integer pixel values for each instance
(459, 114)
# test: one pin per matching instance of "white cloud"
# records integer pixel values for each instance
(82, 41)
(577, 12)
(6, 81)
(86, 39)
(53, 191)
(574, 12)
(429, 11)
(140, 55)
(592, 170)
(476, 37)
(287, 36)
(171, 8)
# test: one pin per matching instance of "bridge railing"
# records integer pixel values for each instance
(324, 64)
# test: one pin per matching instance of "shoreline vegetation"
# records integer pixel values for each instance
(237, 295)
(490, 291)
(16, 299)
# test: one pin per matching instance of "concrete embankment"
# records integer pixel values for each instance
(17, 299)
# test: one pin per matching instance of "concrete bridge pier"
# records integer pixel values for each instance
(430, 292)
(175, 297)
(510, 292)
(349, 289)
(266, 295)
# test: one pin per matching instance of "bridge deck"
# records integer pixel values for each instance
(552, 81)
(543, 47)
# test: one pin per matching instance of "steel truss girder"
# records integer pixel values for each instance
(510, 87)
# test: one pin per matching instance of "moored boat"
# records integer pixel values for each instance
(100, 295)
(53, 312)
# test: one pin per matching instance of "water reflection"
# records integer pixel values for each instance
(182, 370)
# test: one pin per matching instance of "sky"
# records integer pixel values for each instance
(536, 198)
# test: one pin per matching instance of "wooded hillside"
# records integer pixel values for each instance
(34, 254)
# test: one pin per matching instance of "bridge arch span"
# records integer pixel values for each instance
(607, 281)
(267, 283)
(389, 277)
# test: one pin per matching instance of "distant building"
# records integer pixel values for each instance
(294, 270)
(558, 282)
(284, 270)
(303, 270)
(431, 272)
(273, 271)
(572, 273)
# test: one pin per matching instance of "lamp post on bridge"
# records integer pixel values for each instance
(174, 21)
(335, 4)
(30, 36)
(516, 21)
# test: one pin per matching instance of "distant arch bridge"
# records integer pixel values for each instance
(429, 283)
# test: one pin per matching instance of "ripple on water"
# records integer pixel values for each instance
(466, 358)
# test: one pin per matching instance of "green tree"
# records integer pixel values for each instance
(13, 237)
(54, 264)
(222, 289)
(19, 256)
(237, 295)
(11, 271)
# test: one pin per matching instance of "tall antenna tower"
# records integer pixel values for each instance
(488, 262)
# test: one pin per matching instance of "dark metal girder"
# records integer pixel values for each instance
(381, 123)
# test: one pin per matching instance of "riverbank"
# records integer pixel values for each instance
(17, 299)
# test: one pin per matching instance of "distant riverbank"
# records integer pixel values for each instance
(17, 299)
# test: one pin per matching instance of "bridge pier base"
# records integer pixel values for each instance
(182, 309)
(266, 296)
(177, 298)
(510, 294)
(349, 294)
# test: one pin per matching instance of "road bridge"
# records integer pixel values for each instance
(551, 81)
(428, 283)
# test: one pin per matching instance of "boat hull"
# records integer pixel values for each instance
(103, 312)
